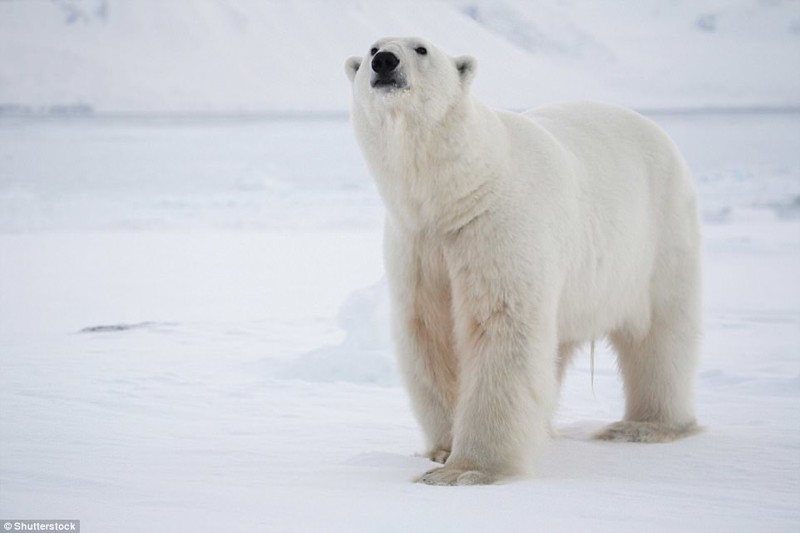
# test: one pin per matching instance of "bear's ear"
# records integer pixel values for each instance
(351, 67)
(466, 66)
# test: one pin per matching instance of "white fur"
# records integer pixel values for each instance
(513, 238)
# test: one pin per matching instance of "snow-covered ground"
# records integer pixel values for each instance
(193, 338)
(193, 325)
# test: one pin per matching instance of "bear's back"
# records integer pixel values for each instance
(615, 147)
(592, 126)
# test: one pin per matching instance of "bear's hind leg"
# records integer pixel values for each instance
(658, 368)
(658, 375)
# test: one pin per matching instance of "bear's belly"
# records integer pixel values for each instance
(595, 301)
(584, 320)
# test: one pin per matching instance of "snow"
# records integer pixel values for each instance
(239, 56)
(193, 317)
(193, 337)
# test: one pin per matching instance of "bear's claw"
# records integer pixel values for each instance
(438, 455)
(630, 431)
(445, 476)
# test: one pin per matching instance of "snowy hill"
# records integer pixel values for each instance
(230, 56)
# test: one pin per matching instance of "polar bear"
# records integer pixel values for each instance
(510, 240)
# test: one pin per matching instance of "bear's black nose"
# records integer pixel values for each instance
(384, 62)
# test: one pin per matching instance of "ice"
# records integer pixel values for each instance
(182, 173)
(364, 356)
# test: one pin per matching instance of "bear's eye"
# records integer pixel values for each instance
(421, 50)
(373, 51)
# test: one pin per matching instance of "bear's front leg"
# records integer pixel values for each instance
(505, 324)
(422, 327)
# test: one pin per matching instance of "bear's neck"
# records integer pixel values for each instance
(429, 174)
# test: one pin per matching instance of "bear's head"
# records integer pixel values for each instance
(409, 74)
